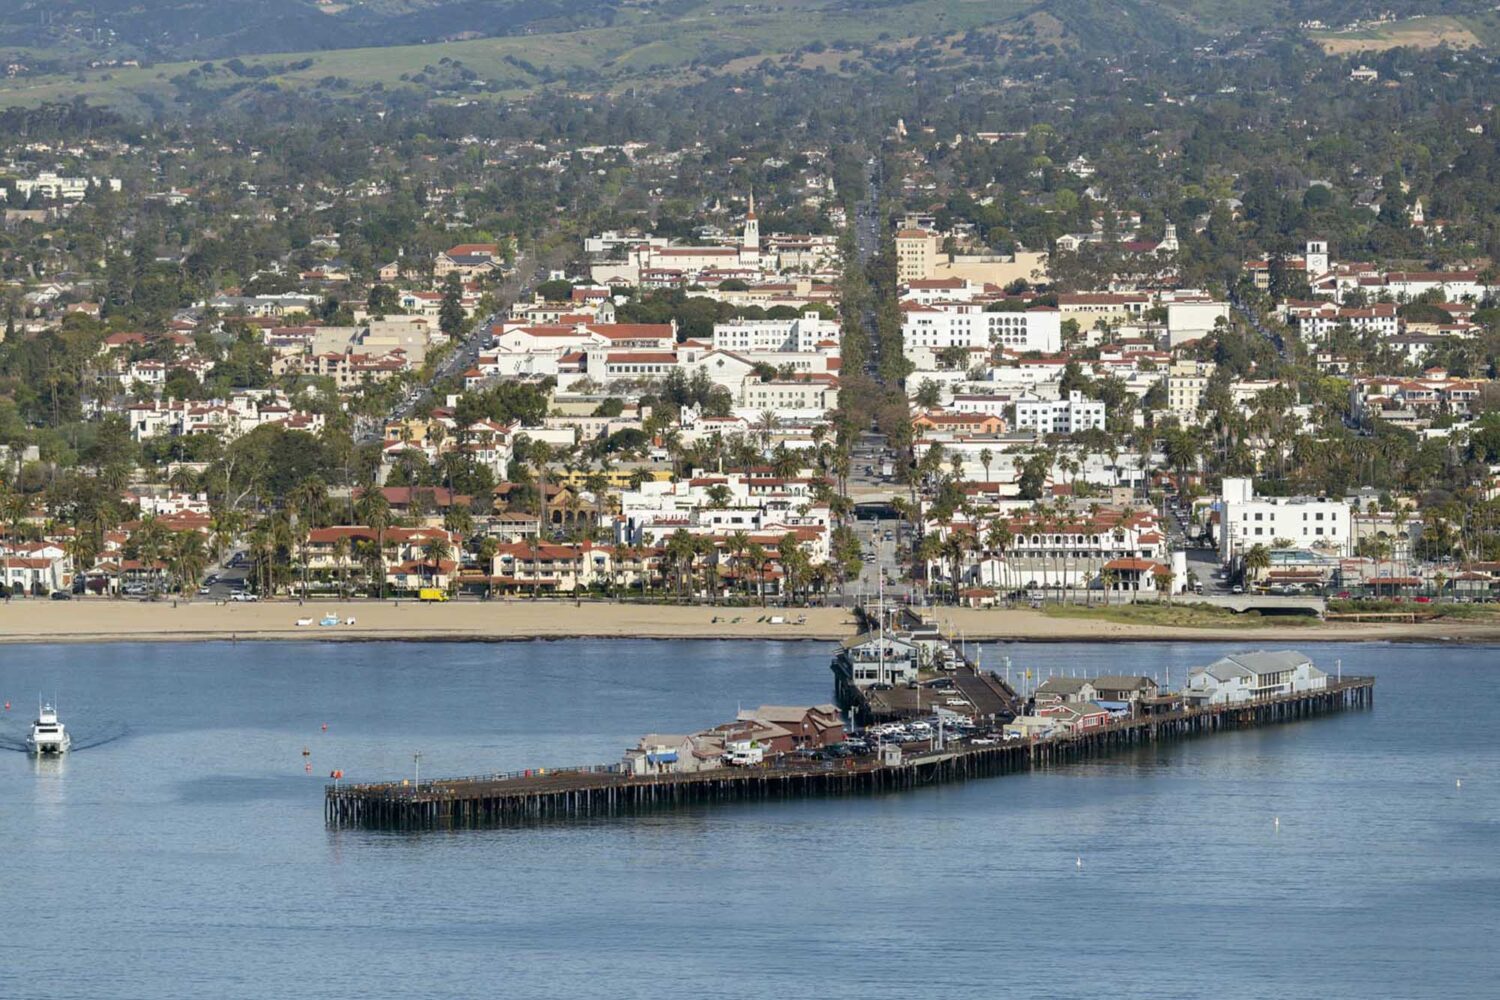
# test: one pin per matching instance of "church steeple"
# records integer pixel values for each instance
(750, 240)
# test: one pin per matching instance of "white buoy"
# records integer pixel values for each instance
(1278, 822)
(1458, 782)
(1080, 861)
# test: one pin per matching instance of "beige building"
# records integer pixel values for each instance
(1186, 383)
(916, 254)
(994, 269)
(919, 257)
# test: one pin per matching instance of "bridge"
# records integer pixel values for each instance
(1264, 603)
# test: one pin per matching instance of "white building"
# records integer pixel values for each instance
(1246, 677)
(800, 335)
(51, 187)
(927, 330)
(1316, 321)
(1246, 520)
(1193, 319)
(1060, 416)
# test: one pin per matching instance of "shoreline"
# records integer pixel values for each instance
(110, 621)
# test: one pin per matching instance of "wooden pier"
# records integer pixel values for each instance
(607, 791)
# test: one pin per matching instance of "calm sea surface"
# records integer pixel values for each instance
(180, 850)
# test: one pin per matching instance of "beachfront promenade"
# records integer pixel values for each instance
(606, 791)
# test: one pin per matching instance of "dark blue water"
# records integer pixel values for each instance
(181, 851)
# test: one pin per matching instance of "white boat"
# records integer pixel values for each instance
(47, 734)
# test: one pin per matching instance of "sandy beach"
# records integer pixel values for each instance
(130, 621)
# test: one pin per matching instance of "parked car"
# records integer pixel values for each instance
(61, 595)
(243, 596)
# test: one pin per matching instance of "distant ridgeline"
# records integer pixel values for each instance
(169, 30)
(176, 30)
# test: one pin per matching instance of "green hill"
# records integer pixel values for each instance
(198, 54)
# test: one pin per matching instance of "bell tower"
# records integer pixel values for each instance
(750, 240)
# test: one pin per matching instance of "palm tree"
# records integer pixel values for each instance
(681, 549)
(83, 547)
(766, 426)
(284, 540)
(260, 544)
(955, 547)
(434, 551)
(998, 538)
(1164, 578)
(597, 484)
(7, 498)
(737, 543)
(1257, 561)
(374, 511)
(224, 527)
(187, 559)
(755, 552)
(539, 455)
(150, 542)
(341, 548)
(986, 458)
(927, 550)
(367, 552)
(309, 500)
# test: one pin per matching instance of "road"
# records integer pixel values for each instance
(1202, 561)
(881, 542)
(1249, 316)
(469, 348)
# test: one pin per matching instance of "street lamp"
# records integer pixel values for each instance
(416, 762)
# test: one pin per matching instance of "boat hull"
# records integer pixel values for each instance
(48, 747)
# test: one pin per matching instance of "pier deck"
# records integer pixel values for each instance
(607, 791)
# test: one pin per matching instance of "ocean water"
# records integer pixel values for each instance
(180, 851)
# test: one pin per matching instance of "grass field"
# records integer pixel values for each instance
(1458, 31)
(647, 50)
(1174, 615)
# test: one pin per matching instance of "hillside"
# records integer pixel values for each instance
(170, 56)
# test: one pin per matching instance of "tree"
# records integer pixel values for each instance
(434, 551)
(374, 511)
(556, 290)
(383, 300)
(758, 557)
(1257, 561)
(451, 316)
(1164, 578)
(341, 550)
(187, 559)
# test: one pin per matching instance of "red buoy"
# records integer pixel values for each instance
(325, 727)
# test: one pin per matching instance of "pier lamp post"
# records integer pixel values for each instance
(416, 763)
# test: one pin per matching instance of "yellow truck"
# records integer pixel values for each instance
(432, 594)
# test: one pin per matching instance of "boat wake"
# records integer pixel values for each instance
(84, 739)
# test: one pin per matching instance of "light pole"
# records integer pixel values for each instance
(416, 762)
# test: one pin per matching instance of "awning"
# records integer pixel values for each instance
(662, 758)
